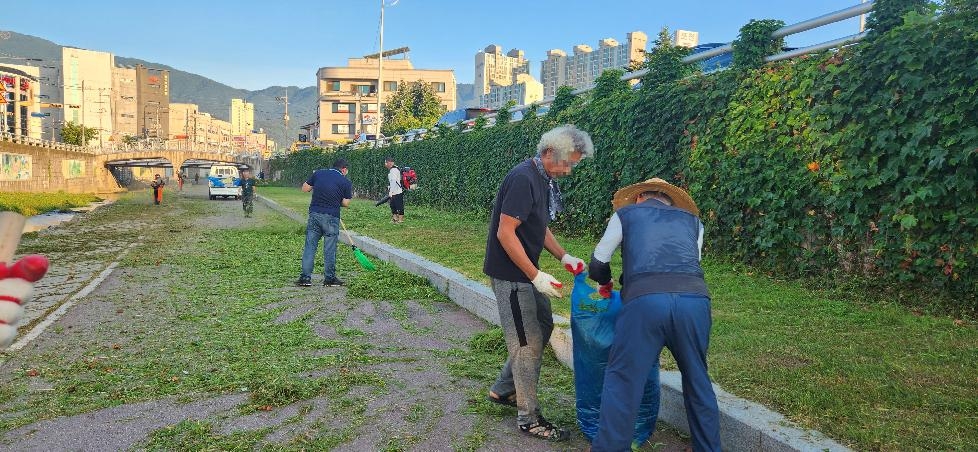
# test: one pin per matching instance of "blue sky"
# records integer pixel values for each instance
(256, 44)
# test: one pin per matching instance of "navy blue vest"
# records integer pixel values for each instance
(659, 250)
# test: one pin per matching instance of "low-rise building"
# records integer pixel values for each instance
(19, 106)
(348, 95)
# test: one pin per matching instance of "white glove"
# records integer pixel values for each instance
(547, 285)
(14, 293)
(572, 264)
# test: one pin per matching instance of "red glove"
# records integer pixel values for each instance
(572, 264)
(29, 268)
(16, 288)
(605, 289)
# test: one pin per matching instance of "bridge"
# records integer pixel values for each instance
(33, 165)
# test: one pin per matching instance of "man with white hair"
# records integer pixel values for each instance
(527, 201)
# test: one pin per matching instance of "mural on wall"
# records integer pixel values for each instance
(72, 169)
(15, 166)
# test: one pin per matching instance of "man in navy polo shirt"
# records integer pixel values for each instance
(331, 190)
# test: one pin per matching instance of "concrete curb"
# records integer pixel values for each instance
(744, 425)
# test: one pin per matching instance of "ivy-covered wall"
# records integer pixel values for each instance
(863, 161)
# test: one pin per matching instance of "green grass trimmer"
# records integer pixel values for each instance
(361, 258)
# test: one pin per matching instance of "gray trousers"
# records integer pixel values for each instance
(527, 321)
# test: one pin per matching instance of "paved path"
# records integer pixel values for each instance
(411, 345)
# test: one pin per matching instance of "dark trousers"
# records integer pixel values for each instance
(680, 322)
(397, 204)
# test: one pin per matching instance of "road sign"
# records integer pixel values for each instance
(40, 115)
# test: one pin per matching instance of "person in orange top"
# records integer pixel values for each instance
(157, 185)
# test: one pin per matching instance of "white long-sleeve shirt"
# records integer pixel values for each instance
(394, 181)
(611, 240)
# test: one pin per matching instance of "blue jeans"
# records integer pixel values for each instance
(326, 227)
(680, 322)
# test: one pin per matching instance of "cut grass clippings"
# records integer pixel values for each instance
(29, 204)
(199, 326)
(867, 372)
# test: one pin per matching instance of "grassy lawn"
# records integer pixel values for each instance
(873, 375)
(37, 203)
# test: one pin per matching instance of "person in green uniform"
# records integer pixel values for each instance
(248, 192)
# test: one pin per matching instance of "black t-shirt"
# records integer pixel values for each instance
(329, 189)
(524, 195)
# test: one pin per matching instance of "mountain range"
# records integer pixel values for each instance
(211, 96)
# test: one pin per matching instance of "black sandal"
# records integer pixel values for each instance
(544, 430)
(506, 400)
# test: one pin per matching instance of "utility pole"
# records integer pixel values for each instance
(380, 74)
(285, 118)
(82, 106)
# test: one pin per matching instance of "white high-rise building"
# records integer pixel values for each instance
(580, 69)
(492, 67)
(525, 91)
(88, 92)
(242, 117)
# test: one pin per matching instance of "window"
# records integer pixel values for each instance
(333, 85)
(363, 89)
(438, 87)
(342, 128)
(390, 86)
(369, 108)
(339, 107)
(444, 107)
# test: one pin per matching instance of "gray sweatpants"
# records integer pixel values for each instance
(527, 321)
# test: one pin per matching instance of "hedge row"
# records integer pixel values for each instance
(863, 161)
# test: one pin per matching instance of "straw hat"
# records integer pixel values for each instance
(680, 199)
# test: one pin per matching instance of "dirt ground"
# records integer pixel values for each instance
(408, 344)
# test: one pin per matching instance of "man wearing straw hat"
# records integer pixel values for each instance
(665, 304)
(331, 191)
(526, 202)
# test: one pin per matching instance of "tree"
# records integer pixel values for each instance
(563, 100)
(665, 62)
(504, 115)
(72, 133)
(609, 83)
(412, 106)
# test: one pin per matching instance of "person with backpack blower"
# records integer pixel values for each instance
(395, 191)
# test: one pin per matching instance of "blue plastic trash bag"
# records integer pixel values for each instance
(593, 330)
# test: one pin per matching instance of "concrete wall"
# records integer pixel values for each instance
(71, 171)
(49, 167)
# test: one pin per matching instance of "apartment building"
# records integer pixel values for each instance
(686, 38)
(492, 67)
(87, 90)
(348, 95)
(152, 102)
(19, 106)
(526, 90)
(183, 122)
(580, 69)
(242, 117)
(124, 103)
